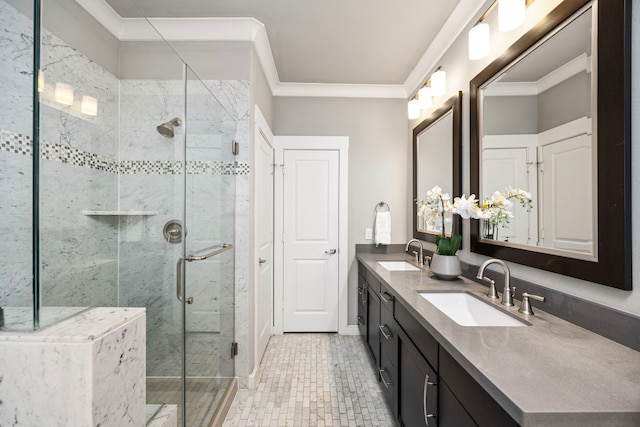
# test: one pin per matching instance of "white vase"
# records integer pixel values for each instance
(446, 267)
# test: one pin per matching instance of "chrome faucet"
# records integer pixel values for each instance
(508, 292)
(419, 256)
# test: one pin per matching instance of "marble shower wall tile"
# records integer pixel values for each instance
(78, 258)
(15, 209)
(16, 45)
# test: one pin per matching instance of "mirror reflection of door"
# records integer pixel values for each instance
(510, 160)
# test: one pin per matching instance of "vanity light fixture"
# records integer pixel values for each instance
(439, 82)
(479, 41)
(511, 14)
(89, 105)
(64, 94)
(436, 85)
(424, 97)
(413, 109)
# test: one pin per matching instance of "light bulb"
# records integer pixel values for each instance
(64, 94)
(413, 109)
(89, 105)
(424, 98)
(479, 41)
(511, 14)
(438, 83)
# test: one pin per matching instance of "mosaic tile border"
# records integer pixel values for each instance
(22, 144)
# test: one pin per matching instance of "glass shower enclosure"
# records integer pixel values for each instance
(118, 189)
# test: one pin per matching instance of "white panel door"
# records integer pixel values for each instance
(310, 240)
(568, 194)
(502, 168)
(264, 236)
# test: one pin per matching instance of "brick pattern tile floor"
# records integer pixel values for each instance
(313, 380)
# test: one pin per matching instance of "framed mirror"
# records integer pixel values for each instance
(552, 116)
(437, 160)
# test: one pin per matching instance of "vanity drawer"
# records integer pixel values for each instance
(373, 283)
(386, 298)
(422, 339)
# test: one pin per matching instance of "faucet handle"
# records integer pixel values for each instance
(492, 293)
(525, 305)
(417, 257)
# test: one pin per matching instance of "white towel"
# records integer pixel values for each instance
(383, 228)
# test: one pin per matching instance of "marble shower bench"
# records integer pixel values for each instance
(87, 370)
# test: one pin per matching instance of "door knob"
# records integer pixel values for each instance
(261, 261)
(330, 251)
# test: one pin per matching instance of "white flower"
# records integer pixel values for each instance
(466, 208)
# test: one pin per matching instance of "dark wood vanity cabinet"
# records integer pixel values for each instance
(422, 382)
(362, 305)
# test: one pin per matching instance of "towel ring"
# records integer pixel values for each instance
(381, 205)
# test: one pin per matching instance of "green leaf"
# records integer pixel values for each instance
(448, 245)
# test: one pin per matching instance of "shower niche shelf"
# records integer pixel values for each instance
(119, 213)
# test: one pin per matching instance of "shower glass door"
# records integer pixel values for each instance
(209, 269)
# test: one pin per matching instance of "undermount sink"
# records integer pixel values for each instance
(468, 310)
(398, 266)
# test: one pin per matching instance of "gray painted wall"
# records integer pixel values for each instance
(565, 102)
(379, 159)
(510, 115)
(460, 70)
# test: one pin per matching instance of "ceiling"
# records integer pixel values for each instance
(371, 42)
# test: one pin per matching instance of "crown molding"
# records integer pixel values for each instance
(252, 30)
(340, 90)
(555, 77)
(457, 22)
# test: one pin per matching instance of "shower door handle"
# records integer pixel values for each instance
(179, 283)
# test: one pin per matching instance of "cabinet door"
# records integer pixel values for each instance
(451, 412)
(388, 353)
(480, 406)
(362, 306)
(373, 323)
(417, 387)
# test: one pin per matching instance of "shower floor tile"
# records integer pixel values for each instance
(203, 396)
(313, 380)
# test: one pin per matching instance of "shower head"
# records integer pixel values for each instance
(166, 129)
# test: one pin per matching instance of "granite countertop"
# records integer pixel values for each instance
(551, 373)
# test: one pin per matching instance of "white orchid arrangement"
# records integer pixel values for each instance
(495, 210)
